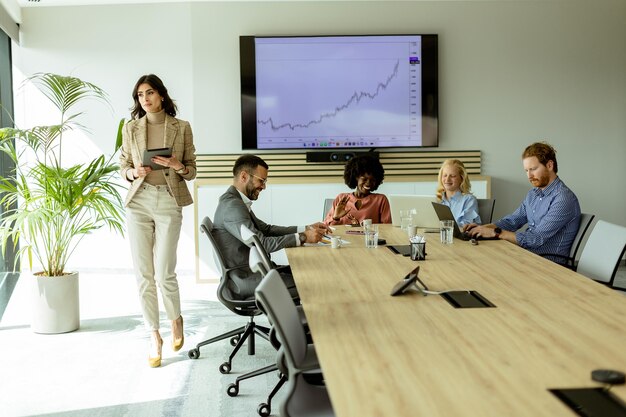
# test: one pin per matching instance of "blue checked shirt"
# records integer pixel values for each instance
(553, 217)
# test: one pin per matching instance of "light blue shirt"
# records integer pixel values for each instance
(553, 217)
(464, 208)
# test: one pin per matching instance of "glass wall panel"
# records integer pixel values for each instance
(8, 279)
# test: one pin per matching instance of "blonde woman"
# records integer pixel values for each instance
(454, 191)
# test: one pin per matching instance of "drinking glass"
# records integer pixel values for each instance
(446, 228)
(406, 218)
(371, 236)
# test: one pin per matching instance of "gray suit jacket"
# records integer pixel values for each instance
(230, 214)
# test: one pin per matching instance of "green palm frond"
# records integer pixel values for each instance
(66, 91)
(56, 205)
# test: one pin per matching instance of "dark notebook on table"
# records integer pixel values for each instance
(444, 213)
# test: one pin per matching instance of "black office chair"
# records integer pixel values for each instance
(303, 398)
(485, 209)
(242, 307)
(261, 264)
(570, 261)
(257, 264)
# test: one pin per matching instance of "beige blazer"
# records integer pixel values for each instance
(178, 136)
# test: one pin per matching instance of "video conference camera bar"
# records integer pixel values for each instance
(338, 157)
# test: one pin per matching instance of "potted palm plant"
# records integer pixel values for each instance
(50, 206)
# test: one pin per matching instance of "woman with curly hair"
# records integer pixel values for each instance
(364, 174)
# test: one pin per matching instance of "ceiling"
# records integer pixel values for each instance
(50, 3)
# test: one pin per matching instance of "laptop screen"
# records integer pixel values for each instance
(444, 213)
(425, 216)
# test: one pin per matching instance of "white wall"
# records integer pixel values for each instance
(511, 72)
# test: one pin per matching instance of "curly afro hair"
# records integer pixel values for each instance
(361, 165)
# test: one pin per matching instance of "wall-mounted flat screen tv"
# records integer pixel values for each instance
(321, 92)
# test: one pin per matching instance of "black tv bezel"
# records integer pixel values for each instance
(247, 68)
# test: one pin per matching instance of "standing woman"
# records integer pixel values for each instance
(154, 203)
(455, 191)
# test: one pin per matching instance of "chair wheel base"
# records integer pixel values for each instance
(264, 410)
(232, 390)
(225, 368)
(194, 353)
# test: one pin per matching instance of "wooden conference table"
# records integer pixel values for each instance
(419, 356)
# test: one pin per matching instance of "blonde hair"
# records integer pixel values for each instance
(466, 186)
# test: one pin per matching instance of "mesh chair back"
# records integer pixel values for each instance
(485, 209)
(206, 226)
(227, 297)
(276, 302)
(603, 251)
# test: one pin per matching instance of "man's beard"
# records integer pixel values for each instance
(251, 191)
(541, 181)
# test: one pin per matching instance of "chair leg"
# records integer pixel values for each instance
(195, 353)
(277, 387)
(233, 389)
(250, 330)
(244, 336)
(262, 333)
(262, 329)
(265, 409)
(237, 332)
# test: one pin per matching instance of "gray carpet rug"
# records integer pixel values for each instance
(101, 370)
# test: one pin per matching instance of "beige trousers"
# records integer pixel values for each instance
(154, 222)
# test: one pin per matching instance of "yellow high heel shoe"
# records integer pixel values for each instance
(155, 361)
(177, 342)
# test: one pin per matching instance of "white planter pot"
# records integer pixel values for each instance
(55, 304)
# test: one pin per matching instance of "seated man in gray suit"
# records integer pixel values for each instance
(234, 209)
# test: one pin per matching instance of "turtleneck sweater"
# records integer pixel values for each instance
(156, 139)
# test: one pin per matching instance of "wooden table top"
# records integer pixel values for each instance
(414, 355)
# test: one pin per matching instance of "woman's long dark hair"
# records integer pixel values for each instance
(155, 82)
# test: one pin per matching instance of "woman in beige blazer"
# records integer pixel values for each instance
(154, 203)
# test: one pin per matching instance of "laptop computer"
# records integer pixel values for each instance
(425, 218)
(444, 213)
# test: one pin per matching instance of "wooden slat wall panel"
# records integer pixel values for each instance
(398, 165)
